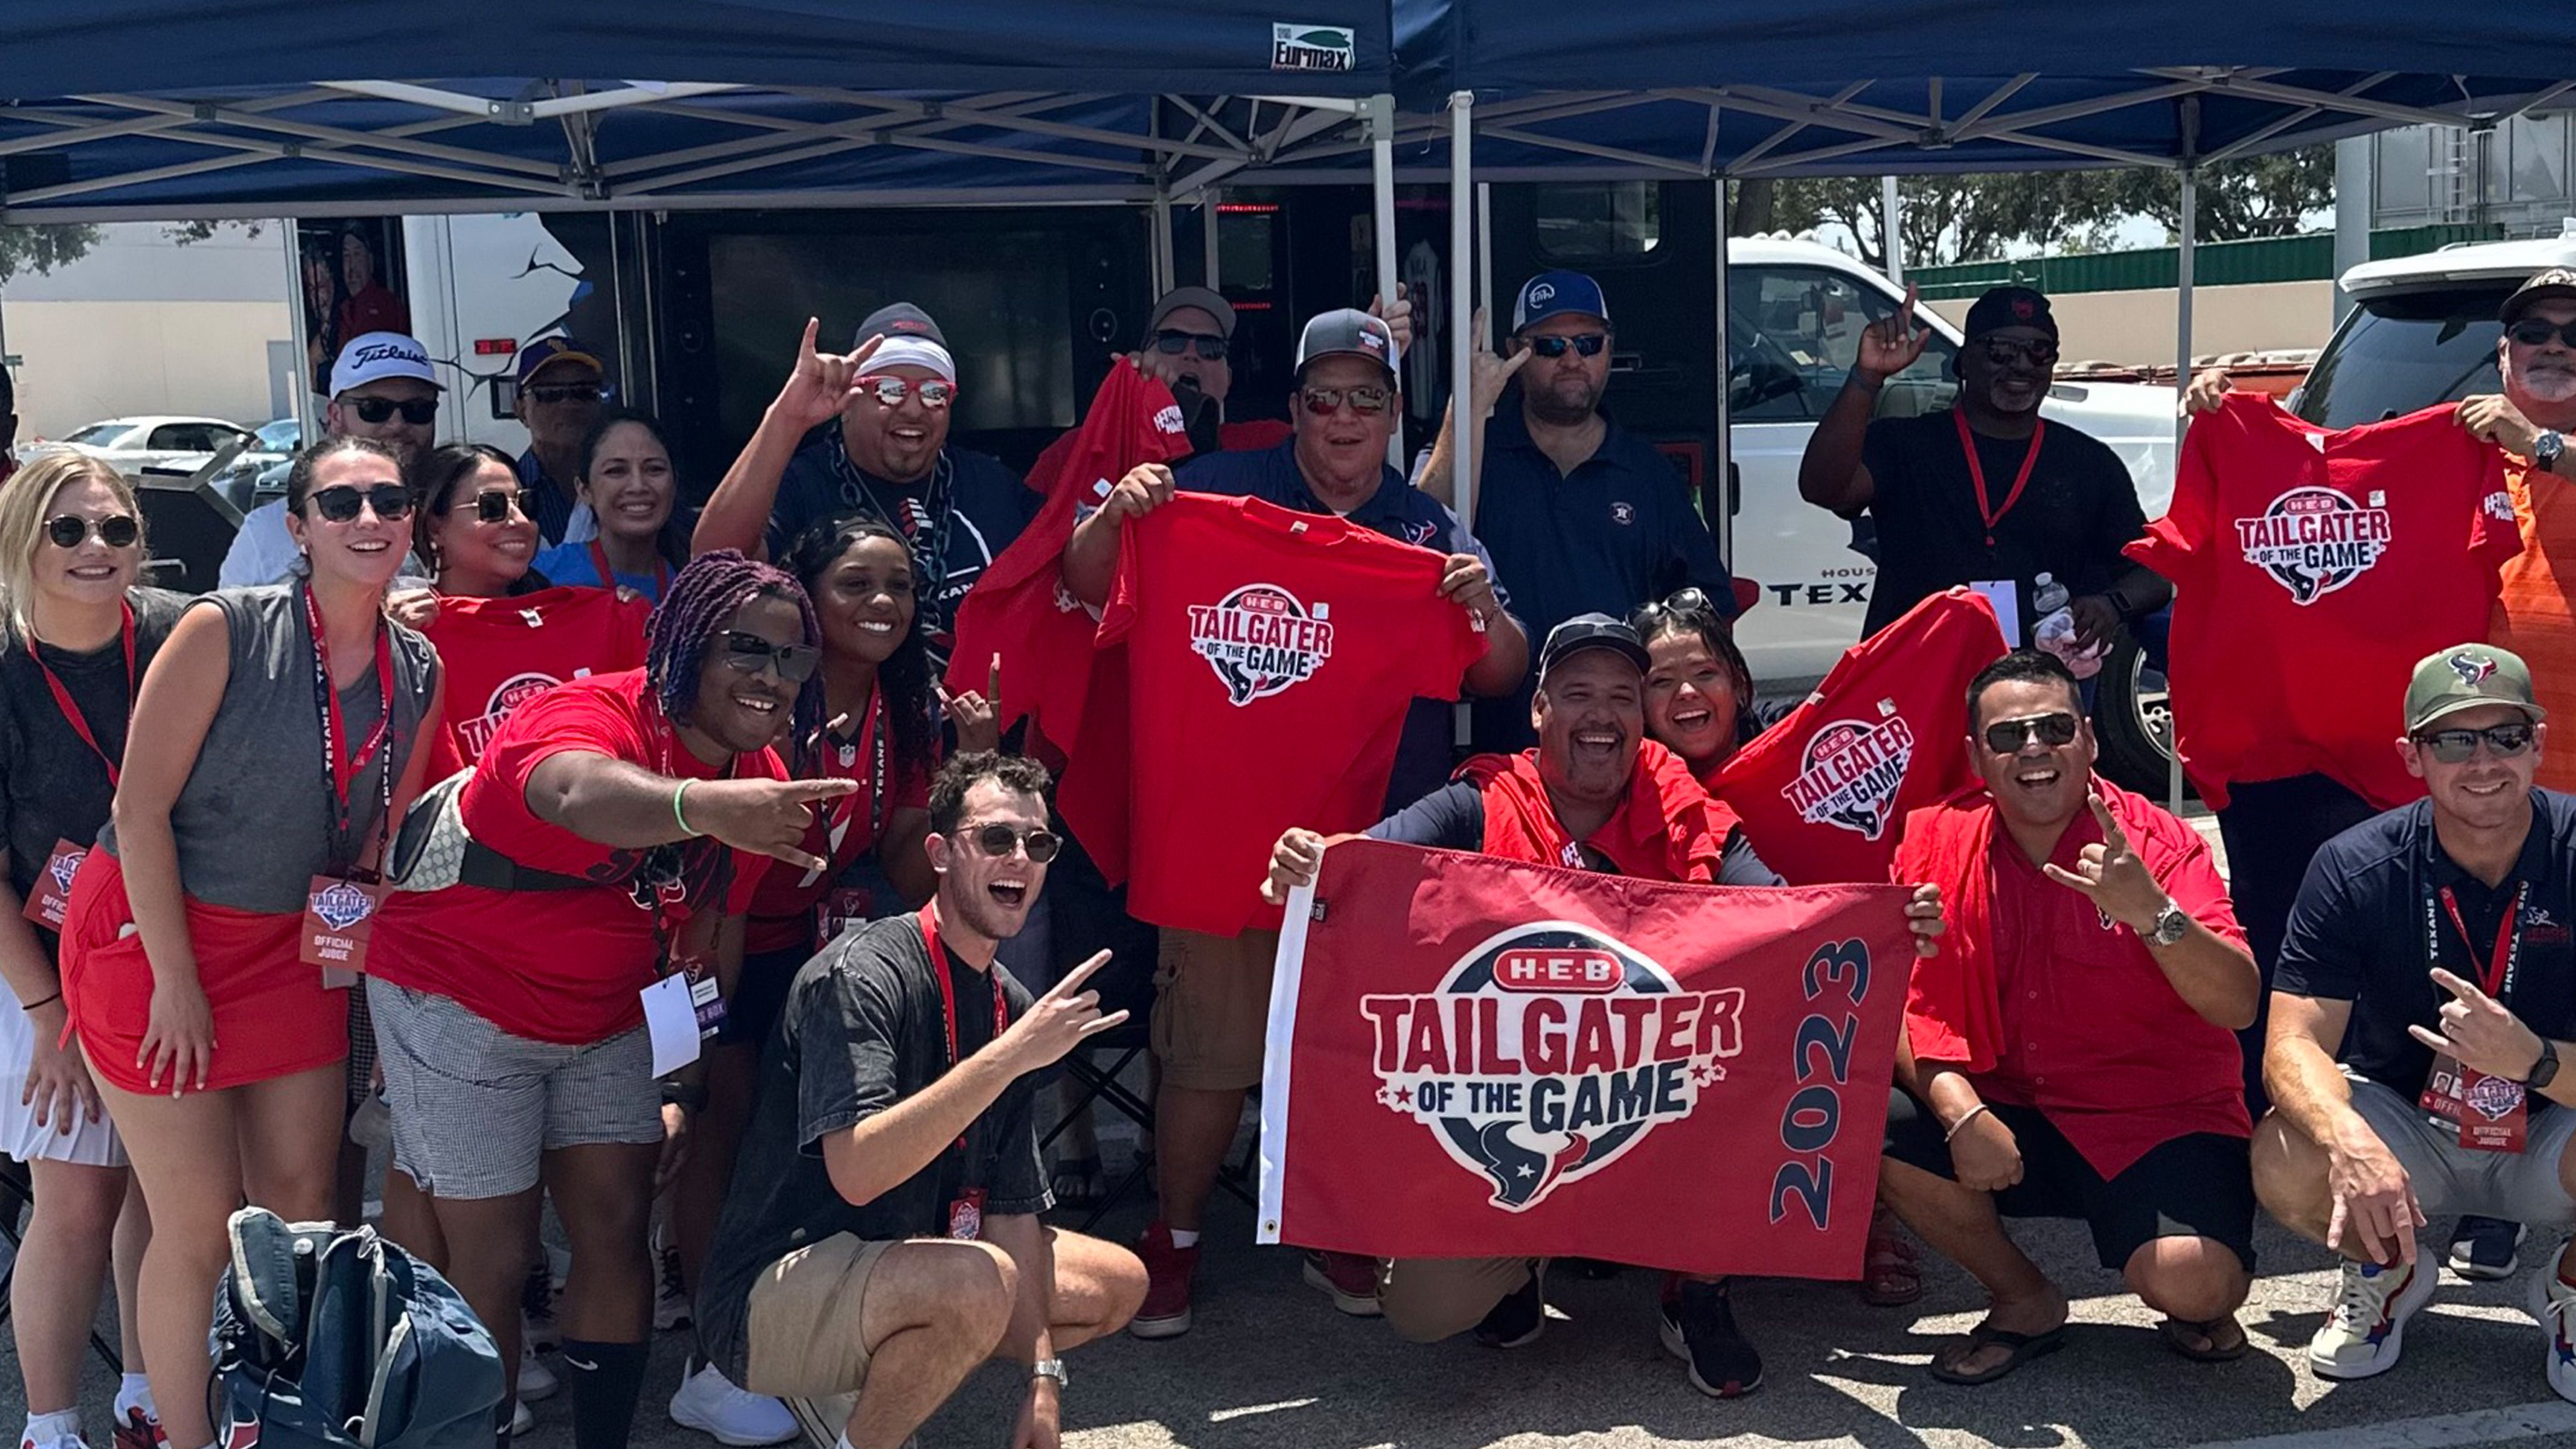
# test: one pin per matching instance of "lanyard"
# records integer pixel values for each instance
(1977, 472)
(843, 808)
(71, 711)
(608, 576)
(922, 520)
(341, 772)
(661, 884)
(2495, 973)
(948, 991)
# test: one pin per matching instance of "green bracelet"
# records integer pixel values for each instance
(681, 820)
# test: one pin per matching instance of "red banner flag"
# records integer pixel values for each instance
(1472, 1057)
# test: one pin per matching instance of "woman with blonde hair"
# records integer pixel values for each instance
(75, 635)
(202, 934)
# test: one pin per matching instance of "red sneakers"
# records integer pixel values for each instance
(1168, 1271)
(1349, 1277)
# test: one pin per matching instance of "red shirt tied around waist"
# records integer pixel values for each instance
(2311, 570)
(563, 966)
(2045, 1002)
(1260, 662)
(844, 830)
(501, 653)
(1020, 609)
(1666, 829)
(1825, 792)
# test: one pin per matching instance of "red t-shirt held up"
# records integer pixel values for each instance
(1020, 609)
(501, 653)
(1824, 793)
(1261, 662)
(562, 966)
(2311, 569)
(783, 909)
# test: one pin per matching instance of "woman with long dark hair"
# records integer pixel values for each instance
(283, 721)
(628, 481)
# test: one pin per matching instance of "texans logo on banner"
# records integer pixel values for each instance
(63, 867)
(342, 905)
(1260, 640)
(1548, 1052)
(514, 691)
(1852, 773)
(2314, 540)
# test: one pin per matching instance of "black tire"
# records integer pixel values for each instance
(2133, 723)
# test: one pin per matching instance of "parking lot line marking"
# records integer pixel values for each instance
(2437, 1431)
(1248, 1410)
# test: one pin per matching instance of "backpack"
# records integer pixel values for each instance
(325, 1339)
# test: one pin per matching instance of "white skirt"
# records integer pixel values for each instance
(88, 1144)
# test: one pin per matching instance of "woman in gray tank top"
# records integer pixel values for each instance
(278, 726)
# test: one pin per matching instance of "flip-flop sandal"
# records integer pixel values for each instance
(2024, 1346)
(1891, 1276)
(2172, 1331)
(1079, 1182)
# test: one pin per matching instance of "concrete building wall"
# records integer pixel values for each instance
(2137, 327)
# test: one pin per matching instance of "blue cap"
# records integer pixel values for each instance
(1549, 293)
(537, 356)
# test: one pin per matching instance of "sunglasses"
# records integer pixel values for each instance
(1367, 400)
(2008, 736)
(2005, 351)
(2536, 332)
(391, 501)
(2454, 747)
(890, 390)
(1209, 348)
(1680, 601)
(419, 412)
(587, 392)
(749, 654)
(1589, 344)
(495, 505)
(117, 530)
(998, 841)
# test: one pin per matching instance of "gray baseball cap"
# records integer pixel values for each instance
(1347, 331)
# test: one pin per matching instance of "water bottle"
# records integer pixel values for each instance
(2056, 629)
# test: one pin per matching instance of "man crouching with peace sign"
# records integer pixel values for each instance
(2070, 1052)
(881, 1239)
(2426, 990)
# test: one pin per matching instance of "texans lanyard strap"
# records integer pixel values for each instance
(72, 711)
(948, 991)
(2495, 974)
(340, 772)
(1977, 472)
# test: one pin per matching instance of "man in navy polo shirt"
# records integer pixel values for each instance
(1582, 515)
(1213, 1002)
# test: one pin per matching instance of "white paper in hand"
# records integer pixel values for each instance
(671, 1019)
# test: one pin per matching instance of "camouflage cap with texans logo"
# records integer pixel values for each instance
(2557, 284)
(2467, 676)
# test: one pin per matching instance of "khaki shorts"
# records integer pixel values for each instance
(1212, 1008)
(1428, 1299)
(804, 1334)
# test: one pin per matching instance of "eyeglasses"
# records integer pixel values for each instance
(586, 392)
(1365, 400)
(495, 505)
(998, 841)
(117, 530)
(391, 501)
(2536, 332)
(419, 412)
(749, 654)
(2454, 747)
(2008, 736)
(890, 390)
(1680, 601)
(2005, 351)
(1588, 344)
(1209, 348)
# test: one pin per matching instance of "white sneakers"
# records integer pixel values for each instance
(2553, 1302)
(709, 1403)
(537, 1382)
(2367, 1329)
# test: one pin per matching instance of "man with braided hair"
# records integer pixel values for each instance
(617, 825)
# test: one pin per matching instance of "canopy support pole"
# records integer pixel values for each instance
(296, 324)
(1162, 237)
(1380, 111)
(1464, 438)
(1720, 500)
(1485, 255)
(2182, 383)
(1209, 270)
(1892, 239)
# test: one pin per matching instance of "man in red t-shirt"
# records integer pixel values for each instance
(2068, 1052)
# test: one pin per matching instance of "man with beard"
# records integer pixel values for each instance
(882, 1237)
(1983, 493)
(1582, 515)
(382, 387)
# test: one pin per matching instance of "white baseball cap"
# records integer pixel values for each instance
(375, 356)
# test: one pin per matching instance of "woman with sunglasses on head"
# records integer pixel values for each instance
(240, 847)
(629, 484)
(611, 834)
(75, 635)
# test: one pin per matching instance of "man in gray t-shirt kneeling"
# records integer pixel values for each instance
(882, 1237)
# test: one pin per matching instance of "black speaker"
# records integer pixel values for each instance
(190, 528)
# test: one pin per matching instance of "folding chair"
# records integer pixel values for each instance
(1101, 1084)
(17, 1195)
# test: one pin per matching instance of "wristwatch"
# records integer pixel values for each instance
(1051, 1368)
(2170, 924)
(2545, 1070)
(2546, 450)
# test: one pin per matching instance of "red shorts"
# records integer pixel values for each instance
(273, 1016)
